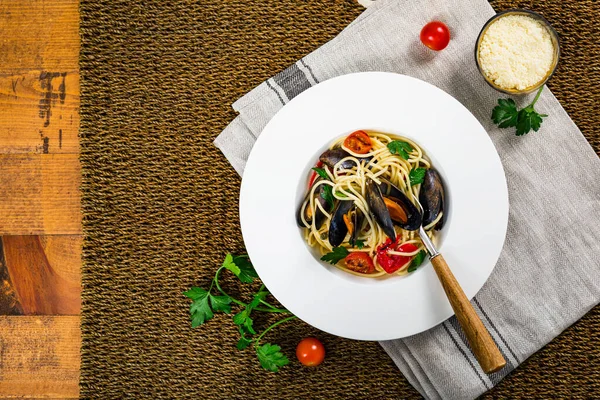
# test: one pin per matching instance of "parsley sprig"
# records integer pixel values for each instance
(416, 176)
(400, 147)
(327, 194)
(506, 115)
(334, 256)
(321, 172)
(417, 261)
(205, 304)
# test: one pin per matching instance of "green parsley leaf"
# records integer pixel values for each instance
(200, 310)
(336, 255)
(270, 357)
(244, 321)
(360, 244)
(247, 272)
(257, 299)
(416, 176)
(321, 172)
(505, 113)
(241, 267)
(340, 194)
(528, 119)
(196, 293)
(243, 342)
(220, 303)
(417, 261)
(204, 303)
(327, 194)
(231, 265)
(399, 147)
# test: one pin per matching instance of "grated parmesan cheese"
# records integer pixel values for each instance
(516, 52)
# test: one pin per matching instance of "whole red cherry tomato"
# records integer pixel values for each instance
(435, 35)
(310, 352)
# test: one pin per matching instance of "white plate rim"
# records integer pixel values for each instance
(337, 316)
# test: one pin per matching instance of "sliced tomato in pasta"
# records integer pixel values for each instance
(392, 262)
(313, 175)
(359, 262)
(359, 142)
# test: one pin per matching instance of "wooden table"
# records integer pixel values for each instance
(40, 217)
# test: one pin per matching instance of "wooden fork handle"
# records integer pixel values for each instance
(484, 347)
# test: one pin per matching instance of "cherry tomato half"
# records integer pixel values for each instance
(310, 352)
(313, 175)
(359, 262)
(435, 35)
(391, 262)
(359, 142)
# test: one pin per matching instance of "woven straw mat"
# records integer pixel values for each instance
(160, 202)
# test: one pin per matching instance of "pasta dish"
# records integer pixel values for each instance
(366, 199)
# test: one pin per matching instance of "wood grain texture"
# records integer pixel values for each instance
(41, 35)
(39, 357)
(39, 194)
(39, 112)
(484, 348)
(9, 302)
(44, 273)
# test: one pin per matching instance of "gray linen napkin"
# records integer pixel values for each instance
(547, 276)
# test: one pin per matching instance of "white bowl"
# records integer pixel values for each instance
(275, 180)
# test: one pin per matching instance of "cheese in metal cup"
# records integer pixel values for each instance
(517, 51)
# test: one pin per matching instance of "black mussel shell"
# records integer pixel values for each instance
(332, 157)
(379, 209)
(432, 198)
(357, 221)
(412, 220)
(319, 216)
(337, 228)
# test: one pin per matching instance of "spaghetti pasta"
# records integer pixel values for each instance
(373, 165)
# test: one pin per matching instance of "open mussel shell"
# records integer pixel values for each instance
(402, 211)
(338, 227)
(309, 213)
(379, 209)
(432, 198)
(334, 156)
(390, 206)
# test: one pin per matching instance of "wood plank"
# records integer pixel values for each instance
(39, 35)
(39, 112)
(39, 194)
(43, 274)
(40, 356)
(9, 301)
(39, 102)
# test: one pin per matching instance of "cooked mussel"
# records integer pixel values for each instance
(340, 222)
(432, 198)
(402, 211)
(378, 208)
(309, 213)
(347, 218)
(357, 222)
(334, 156)
(390, 207)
